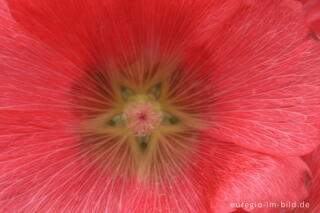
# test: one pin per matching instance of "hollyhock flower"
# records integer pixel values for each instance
(156, 106)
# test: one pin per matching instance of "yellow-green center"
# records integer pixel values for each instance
(142, 114)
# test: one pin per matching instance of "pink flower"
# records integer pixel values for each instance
(157, 106)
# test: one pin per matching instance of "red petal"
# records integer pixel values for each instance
(34, 76)
(62, 179)
(313, 200)
(68, 34)
(312, 9)
(94, 31)
(44, 168)
(240, 176)
(266, 80)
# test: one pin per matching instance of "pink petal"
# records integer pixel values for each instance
(240, 176)
(92, 31)
(312, 10)
(266, 79)
(34, 76)
(44, 168)
(313, 200)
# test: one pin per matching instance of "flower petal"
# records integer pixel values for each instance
(266, 80)
(242, 179)
(313, 199)
(45, 19)
(94, 31)
(312, 10)
(44, 168)
(34, 76)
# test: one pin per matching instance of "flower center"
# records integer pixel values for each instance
(142, 118)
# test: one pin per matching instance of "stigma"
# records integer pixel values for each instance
(142, 118)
